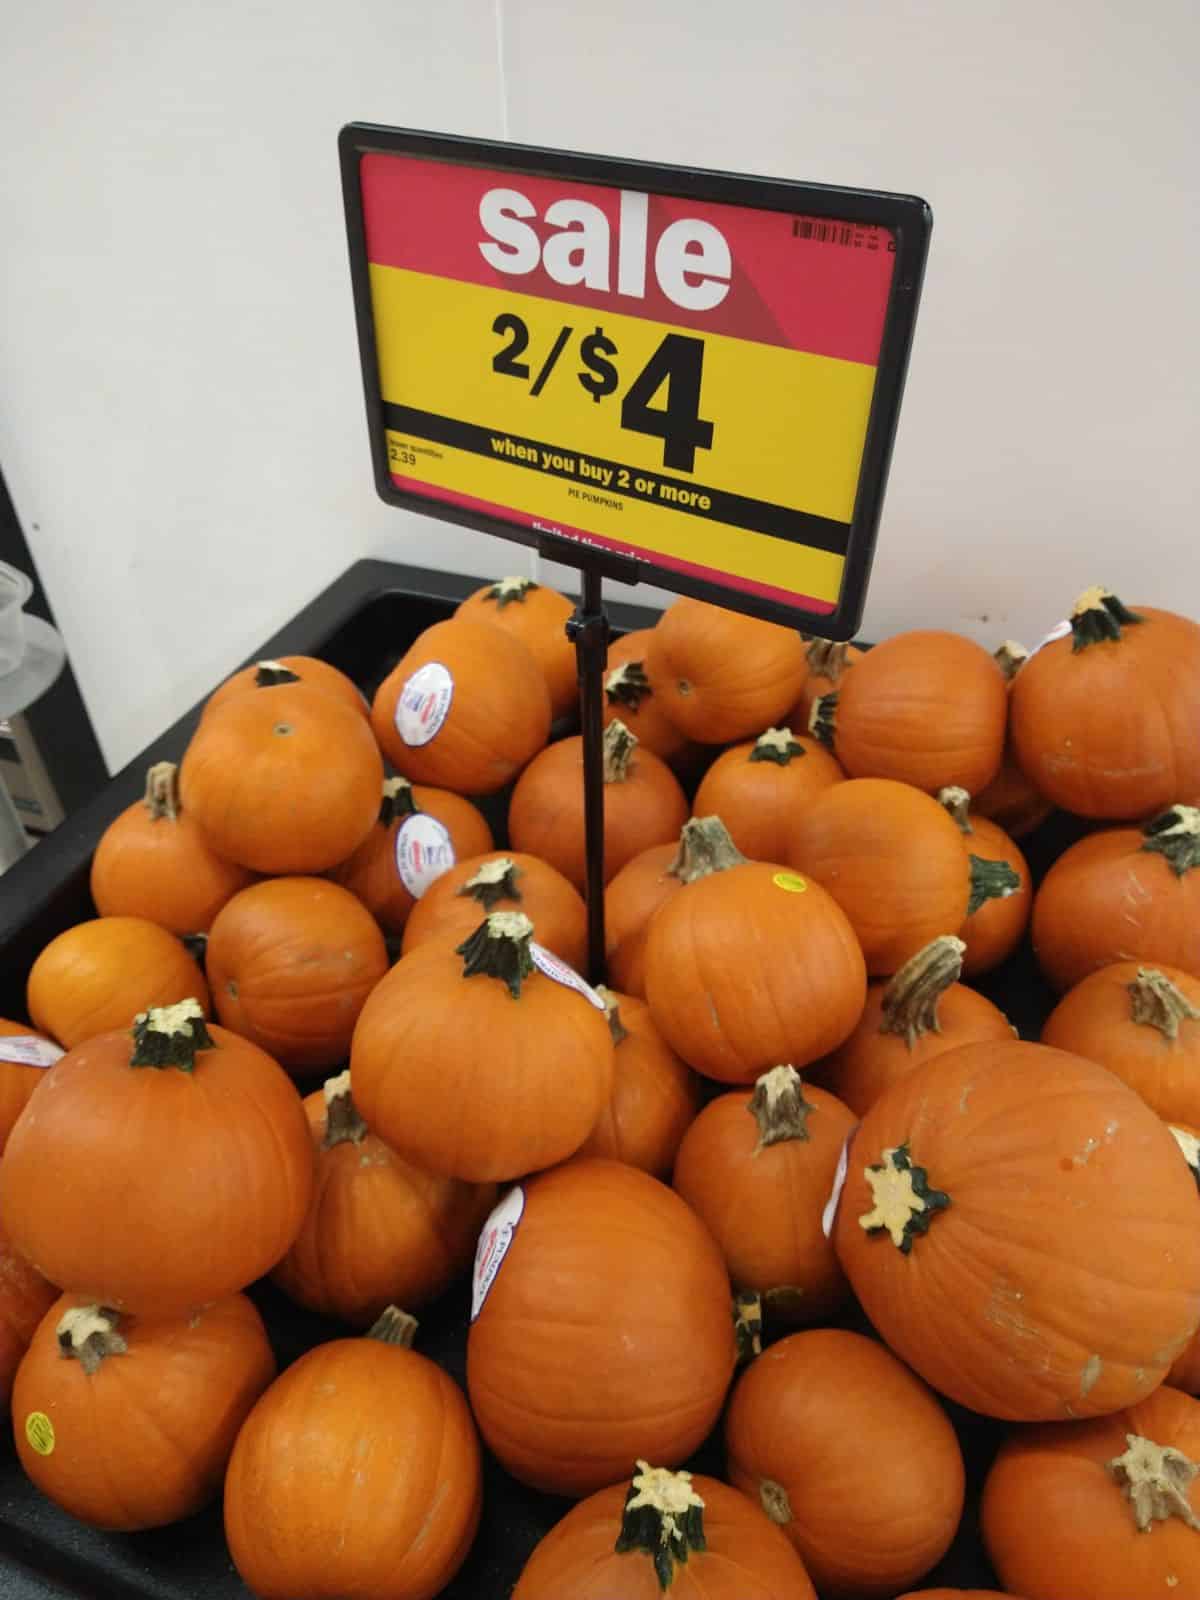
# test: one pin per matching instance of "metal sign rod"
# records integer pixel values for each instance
(588, 629)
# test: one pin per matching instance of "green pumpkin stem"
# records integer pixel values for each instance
(1099, 616)
(1176, 835)
(747, 1325)
(162, 791)
(905, 1204)
(663, 1519)
(499, 948)
(612, 1011)
(343, 1124)
(268, 674)
(169, 1036)
(957, 802)
(1010, 657)
(1159, 1003)
(398, 801)
(828, 658)
(88, 1334)
(990, 880)
(822, 719)
(628, 685)
(779, 1107)
(496, 880)
(777, 745)
(1155, 1479)
(394, 1327)
(619, 745)
(507, 591)
(910, 1000)
(704, 847)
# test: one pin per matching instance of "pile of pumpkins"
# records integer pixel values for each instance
(668, 1191)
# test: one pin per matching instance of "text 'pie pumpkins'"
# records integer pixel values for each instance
(1019, 1227)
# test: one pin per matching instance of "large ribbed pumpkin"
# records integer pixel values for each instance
(987, 1195)
(25, 1297)
(757, 787)
(24, 1056)
(538, 617)
(723, 675)
(453, 906)
(602, 1327)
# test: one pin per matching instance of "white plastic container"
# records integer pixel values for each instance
(15, 589)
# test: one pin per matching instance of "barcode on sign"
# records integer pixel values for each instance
(848, 234)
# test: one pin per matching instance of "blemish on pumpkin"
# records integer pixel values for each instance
(1090, 1376)
(283, 728)
(684, 686)
(231, 989)
(968, 1090)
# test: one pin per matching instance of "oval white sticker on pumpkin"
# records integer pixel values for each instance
(423, 852)
(424, 703)
(27, 1050)
(495, 1241)
(829, 1215)
(554, 967)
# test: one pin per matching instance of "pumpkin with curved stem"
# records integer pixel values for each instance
(128, 1422)
(603, 1327)
(98, 974)
(1108, 1508)
(285, 779)
(723, 675)
(25, 1297)
(158, 1168)
(986, 1195)
(632, 697)
(918, 1014)
(758, 786)
(760, 1182)
(465, 709)
(1001, 900)
(378, 1230)
(1104, 719)
(372, 1414)
(153, 862)
(654, 1096)
(309, 671)
(841, 1399)
(24, 1056)
(644, 805)
(670, 1533)
(1124, 894)
(291, 963)
(458, 1056)
(1010, 800)
(538, 617)
(826, 661)
(452, 907)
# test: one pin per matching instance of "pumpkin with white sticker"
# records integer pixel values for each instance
(24, 1057)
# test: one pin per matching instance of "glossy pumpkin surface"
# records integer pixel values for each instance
(309, 671)
(24, 1056)
(507, 880)
(25, 1297)
(538, 617)
(757, 787)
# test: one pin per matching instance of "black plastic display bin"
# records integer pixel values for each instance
(362, 623)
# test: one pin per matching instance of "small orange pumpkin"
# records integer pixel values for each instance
(758, 786)
(826, 660)
(1185, 1370)
(310, 671)
(25, 1297)
(630, 696)
(24, 1056)
(1010, 800)
(465, 709)
(1001, 887)
(453, 906)
(538, 617)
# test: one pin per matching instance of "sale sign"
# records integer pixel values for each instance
(689, 383)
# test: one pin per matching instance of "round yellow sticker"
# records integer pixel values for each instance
(791, 881)
(39, 1430)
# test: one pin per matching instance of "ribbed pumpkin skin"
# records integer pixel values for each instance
(630, 901)
(499, 714)
(162, 869)
(606, 1335)
(756, 800)
(291, 962)
(1109, 731)
(994, 931)
(538, 618)
(284, 780)
(654, 1097)
(17, 1080)
(648, 719)
(553, 905)
(745, 1557)
(1058, 1177)
(157, 1190)
(25, 1297)
(98, 975)
(841, 1399)
(1057, 1526)
(357, 1473)
(143, 1441)
(312, 673)
(898, 871)
(722, 675)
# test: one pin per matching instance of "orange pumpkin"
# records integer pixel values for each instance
(1124, 894)
(95, 976)
(760, 1183)
(1104, 717)
(892, 859)
(602, 1326)
(24, 1056)
(1001, 888)
(465, 709)
(378, 1230)
(1185, 1370)
(420, 834)
(723, 675)
(160, 1169)
(752, 966)
(391, 1428)
(128, 1422)
(282, 780)
(458, 1055)
(291, 963)
(1010, 800)
(925, 707)
(840, 1399)
(25, 1297)
(920, 1013)
(630, 696)
(975, 1224)
(758, 786)
(153, 862)
(1143, 1023)
(826, 660)
(538, 617)
(1106, 1508)
(310, 671)
(654, 1095)
(666, 1533)
(453, 906)
(643, 805)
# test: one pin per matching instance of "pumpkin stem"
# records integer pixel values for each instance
(499, 948)
(828, 658)
(1159, 1003)
(663, 1518)
(774, 1501)
(343, 1124)
(619, 745)
(1155, 1479)
(269, 673)
(704, 847)
(747, 1325)
(394, 1327)
(1189, 1145)
(1098, 615)
(1010, 658)
(991, 880)
(958, 803)
(777, 745)
(496, 880)
(88, 1334)
(779, 1107)
(1176, 835)
(397, 801)
(196, 945)
(612, 1011)
(910, 1000)
(627, 685)
(905, 1205)
(169, 1036)
(162, 791)
(822, 719)
(507, 590)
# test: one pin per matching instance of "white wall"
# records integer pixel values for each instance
(179, 395)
